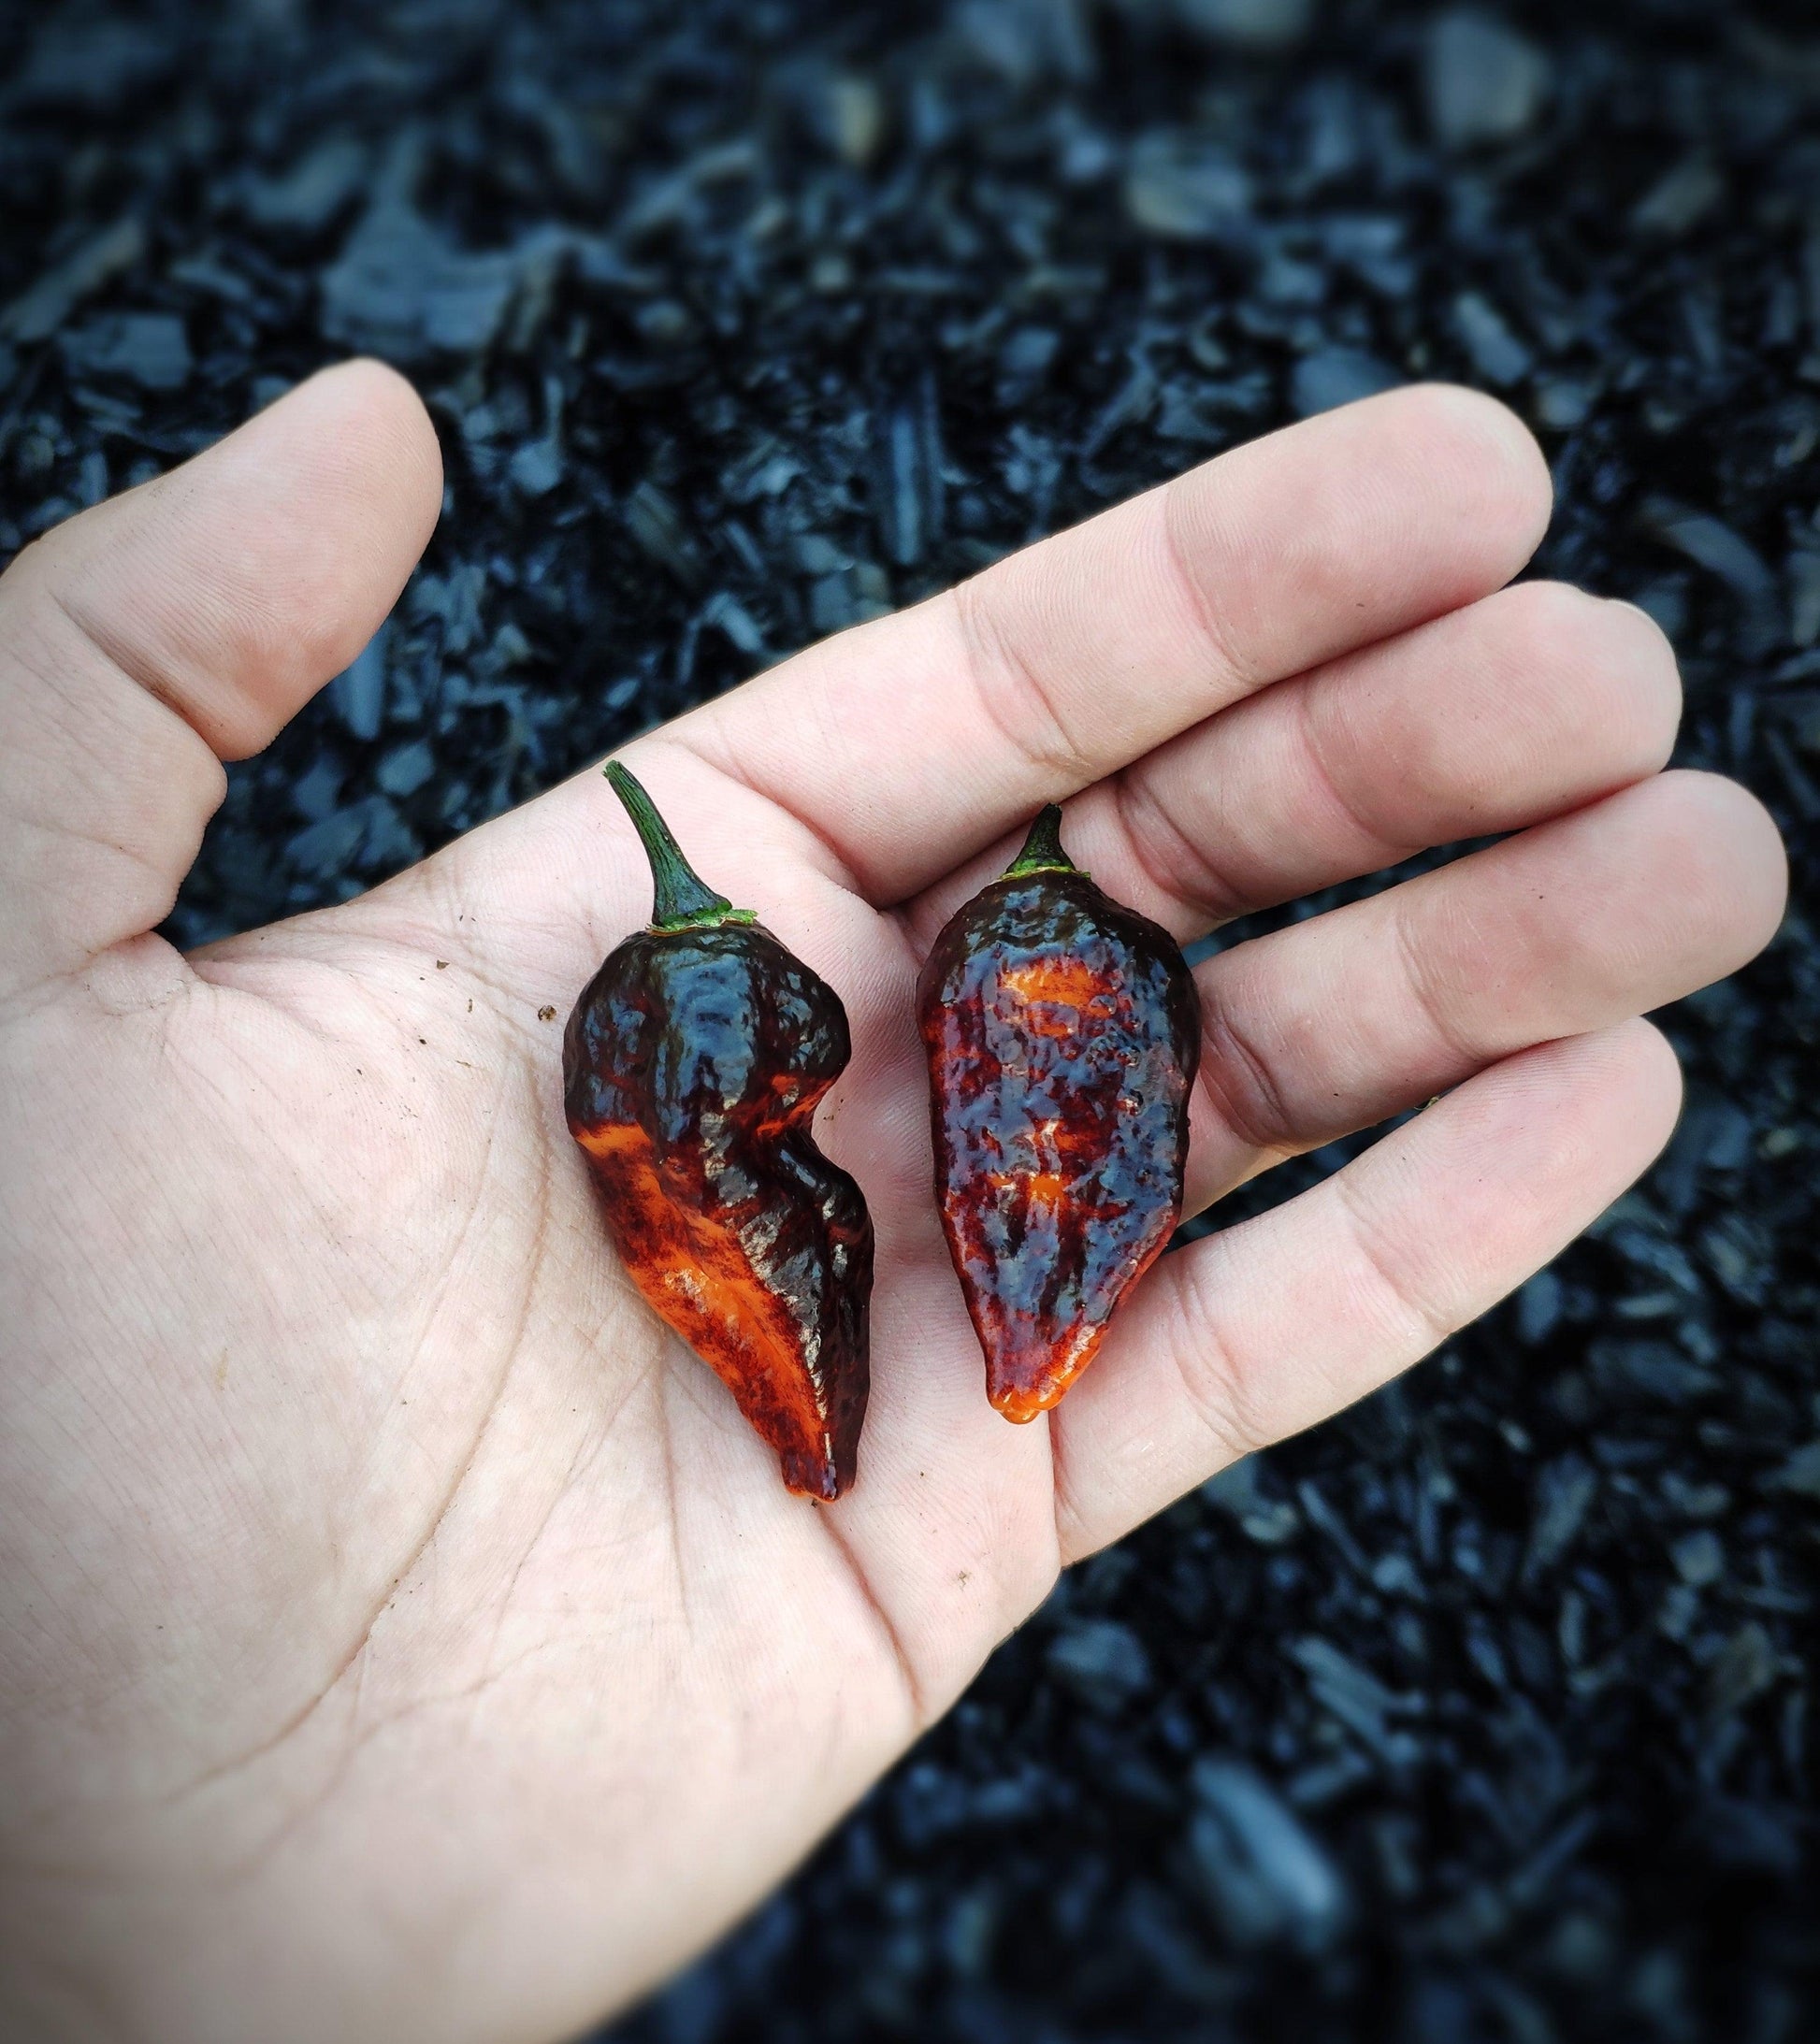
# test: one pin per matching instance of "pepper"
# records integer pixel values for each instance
(692, 1066)
(1062, 1033)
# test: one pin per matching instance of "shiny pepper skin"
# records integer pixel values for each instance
(1062, 1033)
(692, 1066)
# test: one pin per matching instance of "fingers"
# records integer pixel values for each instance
(1339, 1022)
(1534, 700)
(909, 743)
(184, 622)
(1538, 699)
(879, 744)
(1258, 1333)
(234, 588)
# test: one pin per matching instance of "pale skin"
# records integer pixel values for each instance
(401, 1635)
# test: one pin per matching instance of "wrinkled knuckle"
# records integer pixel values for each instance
(1225, 1399)
(1426, 1320)
(1217, 633)
(1016, 701)
(1429, 999)
(1165, 853)
(1077, 1536)
(1240, 1083)
(1349, 804)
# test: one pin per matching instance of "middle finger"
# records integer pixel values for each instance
(1538, 699)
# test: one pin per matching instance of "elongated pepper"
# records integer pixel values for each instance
(1062, 1034)
(692, 1066)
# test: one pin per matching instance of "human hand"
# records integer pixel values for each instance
(404, 1637)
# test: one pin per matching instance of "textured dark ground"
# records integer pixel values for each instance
(1483, 1712)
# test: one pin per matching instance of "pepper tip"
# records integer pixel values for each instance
(1020, 1405)
(818, 1477)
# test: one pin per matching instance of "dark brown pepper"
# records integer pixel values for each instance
(693, 1063)
(1062, 1034)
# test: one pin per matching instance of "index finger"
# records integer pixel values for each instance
(908, 744)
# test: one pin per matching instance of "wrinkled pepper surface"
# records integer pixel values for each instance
(1062, 1033)
(692, 1065)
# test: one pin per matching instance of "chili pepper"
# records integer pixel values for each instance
(692, 1066)
(1062, 1034)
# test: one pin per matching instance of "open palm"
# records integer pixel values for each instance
(403, 1635)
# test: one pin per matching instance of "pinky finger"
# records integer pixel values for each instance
(1253, 1334)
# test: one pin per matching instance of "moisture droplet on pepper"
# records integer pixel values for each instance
(1062, 1034)
(692, 1067)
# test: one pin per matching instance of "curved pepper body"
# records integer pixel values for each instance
(1062, 1034)
(693, 1063)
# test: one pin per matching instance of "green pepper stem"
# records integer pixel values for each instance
(1042, 852)
(682, 899)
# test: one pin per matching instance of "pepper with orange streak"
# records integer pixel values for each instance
(692, 1066)
(1062, 1034)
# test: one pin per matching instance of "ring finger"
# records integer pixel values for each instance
(1334, 1024)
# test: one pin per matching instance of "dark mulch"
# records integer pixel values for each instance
(1483, 1712)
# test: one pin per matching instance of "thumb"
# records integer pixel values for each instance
(183, 623)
